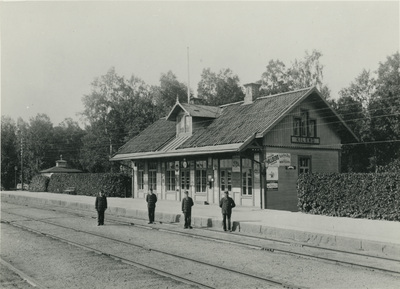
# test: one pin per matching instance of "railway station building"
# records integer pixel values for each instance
(255, 149)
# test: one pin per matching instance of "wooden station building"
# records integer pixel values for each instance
(255, 149)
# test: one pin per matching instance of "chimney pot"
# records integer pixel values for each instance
(252, 92)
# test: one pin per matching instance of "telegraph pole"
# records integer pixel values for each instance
(22, 163)
(15, 176)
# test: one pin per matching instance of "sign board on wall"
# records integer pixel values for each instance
(272, 178)
(272, 185)
(277, 159)
(272, 174)
(236, 164)
(272, 160)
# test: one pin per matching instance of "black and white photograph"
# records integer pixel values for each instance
(200, 144)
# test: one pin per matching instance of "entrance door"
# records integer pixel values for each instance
(226, 180)
(304, 164)
(185, 180)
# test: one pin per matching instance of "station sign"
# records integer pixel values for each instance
(277, 159)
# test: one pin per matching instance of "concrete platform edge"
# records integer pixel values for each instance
(299, 238)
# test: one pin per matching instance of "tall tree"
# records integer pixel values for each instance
(371, 105)
(276, 78)
(38, 143)
(9, 152)
(116, 110)
(303, 73)
(384, 109)
(169, 91)
(67, 141)
(217, 89)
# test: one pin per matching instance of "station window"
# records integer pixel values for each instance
(247, 177)
(304, 126)
(153, 175)
(184, 124)
(170, 176)
(201, 176)
(304, 122)
(304, 164)
(296, 126)
(140, 176)
(312, 128)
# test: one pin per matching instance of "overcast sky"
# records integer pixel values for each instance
(52, 51)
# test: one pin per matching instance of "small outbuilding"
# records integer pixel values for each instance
(61, 167)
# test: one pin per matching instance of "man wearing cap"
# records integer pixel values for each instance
(187, 203)
(227, 204)
(151, 200)
(101, 206)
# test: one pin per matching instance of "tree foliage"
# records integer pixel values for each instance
(39, 144)
(9, 152)
(219, 88)
(169, 90)
(116, 110)
(370, 106)
(67, 142)
(307, 72)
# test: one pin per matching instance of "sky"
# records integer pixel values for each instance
(52, 51)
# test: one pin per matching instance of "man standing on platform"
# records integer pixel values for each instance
(227, 204)
(151, 200)
(101, 206)
(187, 203)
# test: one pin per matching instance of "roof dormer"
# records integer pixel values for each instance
(188, 117)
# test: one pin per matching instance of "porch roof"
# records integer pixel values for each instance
(179, 152)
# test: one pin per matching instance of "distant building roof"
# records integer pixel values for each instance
(61, 167)
(60, 170)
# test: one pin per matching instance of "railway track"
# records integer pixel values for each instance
(346, 258)
(266, 281)
(24, 277)
(336, 256)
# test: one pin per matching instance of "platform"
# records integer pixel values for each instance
(375, 237)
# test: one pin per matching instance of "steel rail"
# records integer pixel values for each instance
(23, 275)
(268, 280)
(80, 213)
(258, 247)
(115, 257)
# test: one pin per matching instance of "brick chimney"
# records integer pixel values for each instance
(252, 92)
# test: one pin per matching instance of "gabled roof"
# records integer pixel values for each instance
(237, 121)
(194, 110)
(235, 127)
(152, 138)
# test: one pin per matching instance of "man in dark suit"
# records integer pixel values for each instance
(101, 206)
(227, 204)
(151, 200)
(187, 204)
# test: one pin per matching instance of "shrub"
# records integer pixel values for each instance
(39, 183)
(114, 185)
(372, 196)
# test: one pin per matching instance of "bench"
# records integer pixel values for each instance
(70, 190)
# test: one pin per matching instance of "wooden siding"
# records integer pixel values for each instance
(281, 134)
(285, 198)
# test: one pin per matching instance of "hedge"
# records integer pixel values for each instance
(114, 184)
(39, 183)
(371, 196)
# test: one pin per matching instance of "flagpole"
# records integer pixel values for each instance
(188, 86)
